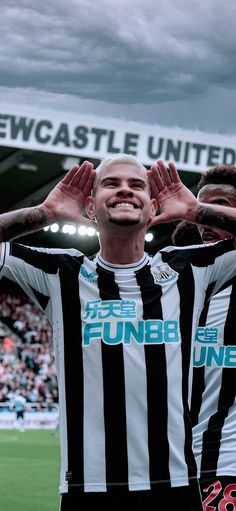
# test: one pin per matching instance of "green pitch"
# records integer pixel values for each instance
(29, 470)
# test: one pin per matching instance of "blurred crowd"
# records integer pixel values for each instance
(27, 362)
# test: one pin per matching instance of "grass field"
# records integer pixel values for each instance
(29, 470)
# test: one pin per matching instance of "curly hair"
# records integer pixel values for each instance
(220, 174)
(185, 234)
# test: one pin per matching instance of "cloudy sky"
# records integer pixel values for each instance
(170, 62)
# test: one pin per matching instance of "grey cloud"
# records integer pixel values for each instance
(129, 53)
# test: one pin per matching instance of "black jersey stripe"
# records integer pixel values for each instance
(198, 383)
(212, 436)
(114, 397)
(45, 261)
(186, 318)
(73, 372)
(157, 401)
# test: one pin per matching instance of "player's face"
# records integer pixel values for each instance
(123, 197)
(216, 194)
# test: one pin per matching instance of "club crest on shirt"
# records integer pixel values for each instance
(163, 274)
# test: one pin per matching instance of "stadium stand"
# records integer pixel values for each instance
(26, 351)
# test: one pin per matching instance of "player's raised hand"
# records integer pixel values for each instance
(173, 198)
(66, 201)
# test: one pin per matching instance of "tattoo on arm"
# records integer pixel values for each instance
(208, 216)
(21, 222)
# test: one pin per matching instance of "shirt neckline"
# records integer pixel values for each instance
(132, 266)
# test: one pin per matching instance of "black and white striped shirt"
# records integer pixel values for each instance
(213, 400)
(122, 338)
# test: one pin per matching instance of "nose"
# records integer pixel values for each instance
(124, 190)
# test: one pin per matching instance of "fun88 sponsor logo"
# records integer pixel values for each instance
(210, 351)
(114, 321)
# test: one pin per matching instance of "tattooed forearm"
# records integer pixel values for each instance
(211, 217)
(21, 222)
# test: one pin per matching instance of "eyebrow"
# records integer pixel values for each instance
(132, 180)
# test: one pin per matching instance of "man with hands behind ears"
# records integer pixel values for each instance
(123, 323)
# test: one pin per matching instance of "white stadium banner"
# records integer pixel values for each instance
(32, 420)
(95, 137)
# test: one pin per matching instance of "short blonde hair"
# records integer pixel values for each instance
(113, 160)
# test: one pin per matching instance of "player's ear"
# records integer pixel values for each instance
(153, 211)
(89, 207)
(153, 208)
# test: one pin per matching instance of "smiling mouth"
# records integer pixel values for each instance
(127, 205)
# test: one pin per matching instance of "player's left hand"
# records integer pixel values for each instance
(174, 199)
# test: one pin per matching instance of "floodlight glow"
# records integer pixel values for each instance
(71, 229)
(90, 231)
(54, 227)
(149, 237)
(65, 228)
(82, 230)
(46, 228)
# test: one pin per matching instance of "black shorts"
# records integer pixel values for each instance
(219, 494)
(20, 414)
(185, 498)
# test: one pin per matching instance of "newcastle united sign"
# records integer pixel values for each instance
(94, 137)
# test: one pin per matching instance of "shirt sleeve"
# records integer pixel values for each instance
(220, 261)
(19, 264)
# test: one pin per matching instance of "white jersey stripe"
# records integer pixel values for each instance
(58, 339)
(137, 437)
(94, 451)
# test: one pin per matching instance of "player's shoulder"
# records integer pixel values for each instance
(196, 255)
